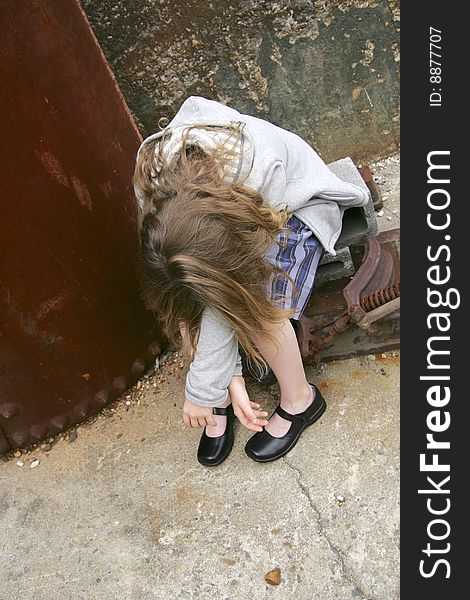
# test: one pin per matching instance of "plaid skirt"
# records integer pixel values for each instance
(298, 254)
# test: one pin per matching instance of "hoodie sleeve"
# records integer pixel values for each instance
(215, 362)
(274, 186)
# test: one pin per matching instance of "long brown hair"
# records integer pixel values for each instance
(203, 242)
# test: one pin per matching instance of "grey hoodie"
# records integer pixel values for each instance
(288, 173)
(278, 164)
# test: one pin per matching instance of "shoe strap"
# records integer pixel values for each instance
(299, 417)
(217, 410)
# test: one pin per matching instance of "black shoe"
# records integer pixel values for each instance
(263, 447)
(213, 450)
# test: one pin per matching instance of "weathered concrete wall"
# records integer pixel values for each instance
(325, 70)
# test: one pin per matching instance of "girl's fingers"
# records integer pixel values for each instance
(194, 422)
(246, 422)
(261, 421)
(261, 413)
(250, 415)
(210, 421)
(201, 421)
(186, 421)
(253, 422)
(251, 426)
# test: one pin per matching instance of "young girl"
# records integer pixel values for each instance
(235, 213)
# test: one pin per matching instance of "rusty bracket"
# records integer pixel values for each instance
(371, 295)
(374, 189)
(378, 313)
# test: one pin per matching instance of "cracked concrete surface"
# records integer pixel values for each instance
(126, 511)
(334, 549)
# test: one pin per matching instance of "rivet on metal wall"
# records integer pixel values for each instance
(120, 383)
(39, 431)
(20, 437)
(138, 366)
(81, 410)
(8, 409)
(59, 423)
(154, 349)
(101, 397)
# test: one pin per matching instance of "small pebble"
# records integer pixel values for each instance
(34, 463)
(273, 577)
(128, 402)
(17, 453)
(20, 463)
(380, 213)
(72, 436)
(340, 499)
(388, 218)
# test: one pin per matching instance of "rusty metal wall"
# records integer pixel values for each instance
(73, 330)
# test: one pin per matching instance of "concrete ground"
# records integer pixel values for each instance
(124, 510)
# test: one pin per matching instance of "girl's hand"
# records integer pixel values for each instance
(197, 416)
(246, 411)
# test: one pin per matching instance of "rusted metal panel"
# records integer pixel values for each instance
(73, 330)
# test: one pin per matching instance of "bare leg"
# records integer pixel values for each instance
(220, 420)
(286, 363)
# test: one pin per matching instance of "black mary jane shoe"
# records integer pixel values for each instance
(264, 447)
(213, 450)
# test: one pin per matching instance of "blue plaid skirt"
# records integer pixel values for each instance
(298, 254)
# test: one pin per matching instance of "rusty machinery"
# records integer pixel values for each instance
(357, 309)
(73, 331)
(359, 314)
